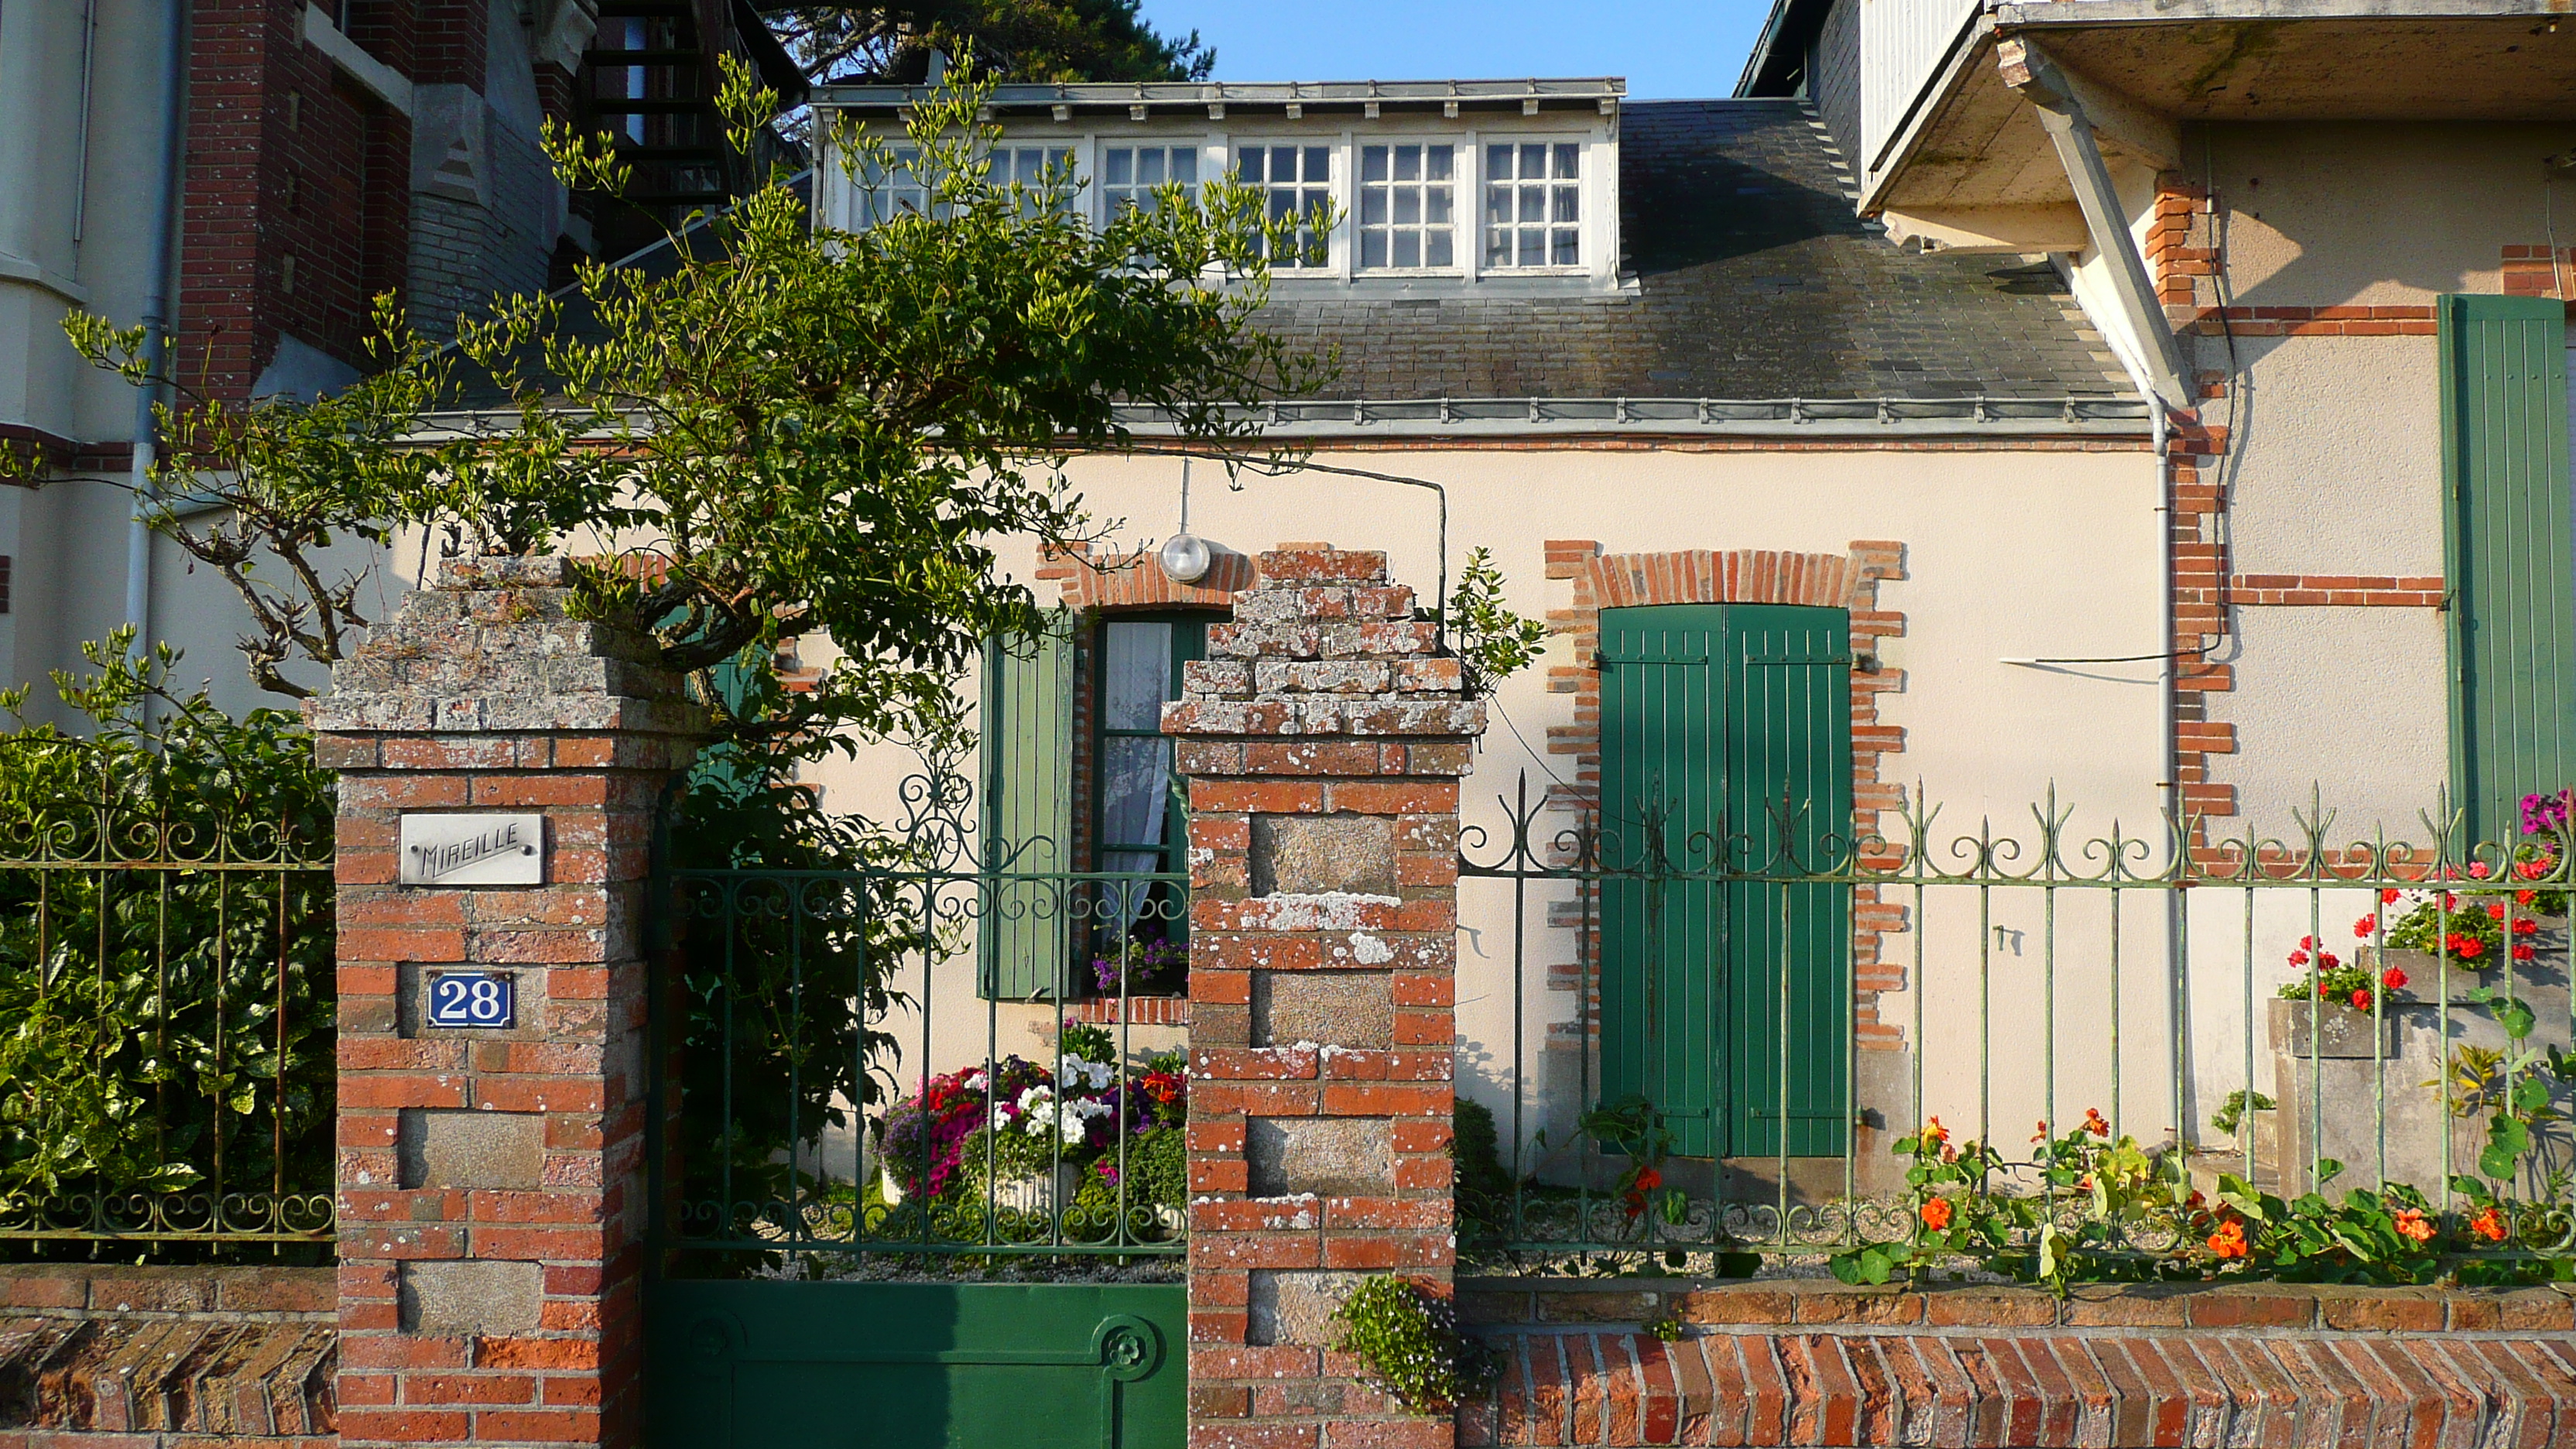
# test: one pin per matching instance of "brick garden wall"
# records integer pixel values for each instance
(96, 1356)
(1808, 1362)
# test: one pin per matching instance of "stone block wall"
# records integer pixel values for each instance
(491, 1181)
(1323, 738)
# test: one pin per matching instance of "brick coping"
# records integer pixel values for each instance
(1522, 1304)
(127, 1290)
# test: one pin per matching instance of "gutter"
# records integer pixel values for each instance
(162, 187)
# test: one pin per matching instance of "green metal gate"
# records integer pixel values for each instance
(1726, 772)
(765, 1365)
(854, 1134)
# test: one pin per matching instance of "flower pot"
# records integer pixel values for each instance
(1041, 1192)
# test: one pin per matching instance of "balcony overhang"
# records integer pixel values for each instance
(2151, 66)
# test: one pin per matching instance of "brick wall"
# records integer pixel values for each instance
(284, 159)
(101, 1356)
(1803, 1362)
(1323, 744)
(490, 1182)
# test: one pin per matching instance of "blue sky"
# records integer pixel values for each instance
(1666, 48)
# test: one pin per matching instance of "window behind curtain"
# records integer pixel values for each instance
(1138, 828)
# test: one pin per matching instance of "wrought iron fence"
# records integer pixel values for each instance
(1759, 1021)
(891, 1061)
(166, 1006)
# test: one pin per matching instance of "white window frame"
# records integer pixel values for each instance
(1356, 191)
(1096, 174)
(1587, 237)
(1336, 174)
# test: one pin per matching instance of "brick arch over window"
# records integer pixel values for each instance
(1137, 581)
(1847, 581)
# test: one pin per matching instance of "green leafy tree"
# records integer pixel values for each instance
(1026, 40)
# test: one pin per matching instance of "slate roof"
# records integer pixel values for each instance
(1755, 280)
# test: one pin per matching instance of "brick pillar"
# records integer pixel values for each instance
(491, 1180)
(1323, 742)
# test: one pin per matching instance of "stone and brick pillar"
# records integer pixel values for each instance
(1323, 738)
(491, 1192)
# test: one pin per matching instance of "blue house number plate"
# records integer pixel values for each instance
(473, 999)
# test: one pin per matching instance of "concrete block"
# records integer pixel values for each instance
(1317, 854)
(1327, 1156)
(1297, 1307)
(474, 1296)
(1333, 1008)
(447, 1149)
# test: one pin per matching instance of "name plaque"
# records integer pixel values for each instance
(473, 850)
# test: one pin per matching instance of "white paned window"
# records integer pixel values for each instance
(1129, 174)
(1408, 206)
(886, 192)
(1028, 165)
(1293, 181)
(1534, 205)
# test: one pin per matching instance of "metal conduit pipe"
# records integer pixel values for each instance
(164, 186)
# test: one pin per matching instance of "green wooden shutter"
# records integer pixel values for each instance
(1028, 811)
(1788, 943)
(2509, 550)
(1711, 717)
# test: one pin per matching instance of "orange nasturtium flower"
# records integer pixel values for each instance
(2489, 1224)
(1936, 1214)
(2094, 1124)
(2413, 1226)
(2229, 1240)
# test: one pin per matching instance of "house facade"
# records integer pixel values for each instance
(243, 179)
(2340, 277)
(1698, 410)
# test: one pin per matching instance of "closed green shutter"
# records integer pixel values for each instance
(2509, 546)
(1028, 811)
(1726, 741)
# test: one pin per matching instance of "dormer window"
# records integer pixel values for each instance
(1408, 207)
(1436, 188)
(1295, 181)
(1129, 174)
(1534, 204)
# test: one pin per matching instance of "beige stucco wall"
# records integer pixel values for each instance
(2339, 213)
(2010, 555)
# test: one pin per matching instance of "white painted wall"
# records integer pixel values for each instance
(2010, 556)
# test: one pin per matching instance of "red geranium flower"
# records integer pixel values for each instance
(2522, 951)
(2392, 979)
(2525, 926)
(2480, 870)
(2495, 910)
(2524, 898)
(2298, 958)
(2361, 999)
(2470, 948)
(2363, 927)
(2388, 897)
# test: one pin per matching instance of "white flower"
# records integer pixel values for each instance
(1077, 1072)
(974, 1082)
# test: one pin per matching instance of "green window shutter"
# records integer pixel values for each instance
(2509, 551)
(1711, 716)
(1028, 811)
